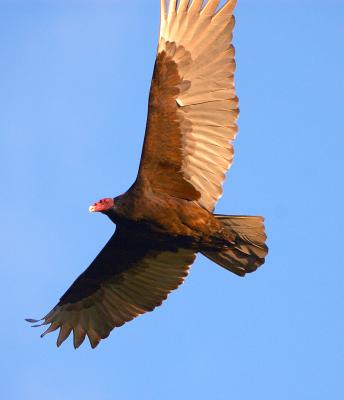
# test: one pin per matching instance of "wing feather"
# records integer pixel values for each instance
(128, 278)
(193, 107)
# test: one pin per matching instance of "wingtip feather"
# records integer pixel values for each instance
(52, 328)
(63, 334)
(93, 338)
(79, 335)
(163, 17)
(210, 7)
(172, 7)
(226, 9)
(195, 6)
(183, 5)
(32, 321)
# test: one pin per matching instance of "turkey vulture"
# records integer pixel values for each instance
(166, 216)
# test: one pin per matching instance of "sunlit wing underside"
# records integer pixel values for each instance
(193, 107)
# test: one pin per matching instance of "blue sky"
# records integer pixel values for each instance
(74, 81)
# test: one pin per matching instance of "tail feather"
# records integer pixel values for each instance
(249, 251)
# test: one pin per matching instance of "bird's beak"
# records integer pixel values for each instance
(102, 205)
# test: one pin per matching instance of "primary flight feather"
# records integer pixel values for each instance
(166, 217)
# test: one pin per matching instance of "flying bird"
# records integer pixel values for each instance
(166, 217)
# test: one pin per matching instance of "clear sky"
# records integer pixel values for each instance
(74, 81)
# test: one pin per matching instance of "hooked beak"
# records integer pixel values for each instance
(102, 205)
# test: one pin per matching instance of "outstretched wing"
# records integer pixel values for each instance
(128, 277)
(192, 104)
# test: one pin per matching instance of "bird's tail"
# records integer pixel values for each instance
(249, 251)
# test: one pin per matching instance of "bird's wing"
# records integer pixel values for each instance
(128, 277)
(193, 107)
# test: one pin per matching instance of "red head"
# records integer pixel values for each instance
(102, 205)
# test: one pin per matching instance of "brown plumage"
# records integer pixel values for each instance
(166, 217)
